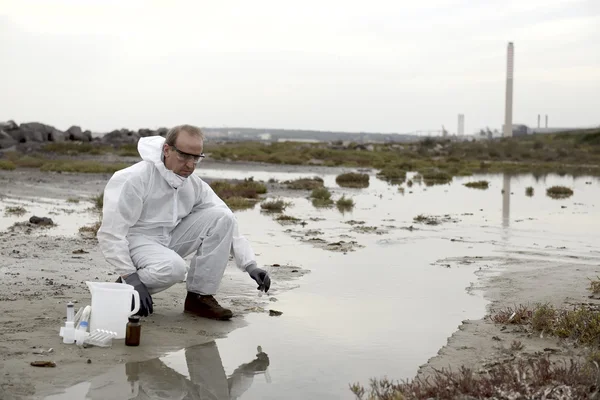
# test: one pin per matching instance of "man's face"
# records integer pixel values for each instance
(183, 157)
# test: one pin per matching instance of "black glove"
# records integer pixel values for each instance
(261, 277)
(145, 298)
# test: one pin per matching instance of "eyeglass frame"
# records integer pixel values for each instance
(183, 156)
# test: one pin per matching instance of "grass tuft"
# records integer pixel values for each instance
(517, 316)
(17, 210)
(559, 192)
(92, 167)
(73, 200)
(305, 183)
(529, 191)
(595, 286)
(478, 185)
(7, 165)
(239, 203)
(274, 205)
(393, 174)
(353, 180)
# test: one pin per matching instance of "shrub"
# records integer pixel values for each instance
(321, 193)
(529, 191)
(478, 185)
(353, 180)
(7, 165)
(305, 183)
(274, 205)
(559, 192)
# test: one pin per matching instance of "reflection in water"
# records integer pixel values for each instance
(201, 377)
(506, 201)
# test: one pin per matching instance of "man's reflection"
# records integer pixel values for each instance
(161, 379)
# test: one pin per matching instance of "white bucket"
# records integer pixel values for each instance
(111, 306)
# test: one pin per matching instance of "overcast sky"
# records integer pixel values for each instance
(383, 66)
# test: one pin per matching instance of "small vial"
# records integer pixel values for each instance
(70, 312)
(133, 331)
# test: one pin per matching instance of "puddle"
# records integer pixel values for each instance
(383, 308)
(67, 217)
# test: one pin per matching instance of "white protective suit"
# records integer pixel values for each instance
(152, 218)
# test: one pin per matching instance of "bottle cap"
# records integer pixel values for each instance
(83, 324)
(134, 318)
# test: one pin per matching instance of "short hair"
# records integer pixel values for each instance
(174, 132)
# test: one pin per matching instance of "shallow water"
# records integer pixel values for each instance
(68, 217)
(383, 309)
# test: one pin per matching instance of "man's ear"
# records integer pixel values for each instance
(165, 148)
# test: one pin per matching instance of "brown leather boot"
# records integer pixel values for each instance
(205, 306)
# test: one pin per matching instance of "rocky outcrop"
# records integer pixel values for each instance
(12, 134)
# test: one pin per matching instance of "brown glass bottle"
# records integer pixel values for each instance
(133, 331)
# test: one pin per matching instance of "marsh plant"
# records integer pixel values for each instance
(529, 191)
(321, 197)
(305, 183)
(239, 195)
(16, 210)
(353, 180)
(478, 185)
(344, 204)
(559, 192)
(277, 205)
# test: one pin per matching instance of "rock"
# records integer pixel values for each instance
(36, 132)
(275, 313)
(9, 125)
(121, 136)
(162, 132)
(75, 133)
(43, 364)
(43, 221)
(6, 140)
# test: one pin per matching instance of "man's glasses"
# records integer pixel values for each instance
(183, 156)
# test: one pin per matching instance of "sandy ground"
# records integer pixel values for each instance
(41, 273)
(510, 282)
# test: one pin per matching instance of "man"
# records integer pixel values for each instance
(158, 211)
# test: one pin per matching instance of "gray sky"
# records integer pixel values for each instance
(387, 66)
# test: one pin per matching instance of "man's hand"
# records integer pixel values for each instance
(145, 298)
(261, 277)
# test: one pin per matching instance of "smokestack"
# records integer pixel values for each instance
(461, 125)
(510, 54)
(539, 120)
(546, 120)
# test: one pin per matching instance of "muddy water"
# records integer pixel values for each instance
(383, 306)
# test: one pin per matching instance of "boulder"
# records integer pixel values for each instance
(88, 136)
(9, 125)
(75, 133)
(6, 140)
(36, 132)
(121, 136)
(162, 132)
(146, 132)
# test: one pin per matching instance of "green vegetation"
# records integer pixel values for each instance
(523, 379)
(559, 192)
(73, 200)
(98, 201)
(91, 229)
(435, 177)
(305, 183)
(74, 148)
(595, 286)
(529, 191)
(321, 197)
(344, 204)
(16, 210)
(574, 153)
(7, 165)
(287, 218)
(274, 205)
(478, 184)
(239, 195)
(393, 174)
(93, 167)
(353, 180)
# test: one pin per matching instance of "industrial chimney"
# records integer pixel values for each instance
(509, 91)
(539, 120)
(546, 120)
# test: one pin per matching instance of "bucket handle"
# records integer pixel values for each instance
(136, 302)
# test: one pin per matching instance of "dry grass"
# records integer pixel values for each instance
(91, 230)
(239, 203)
(353, 180)
(559, 192)
(580, 324)
(287, 218)
(393, 174)
(518, 315)
(478, 184)
(274, 205)
(92, 167)
(435, 177)
(248, 189)
(305, 183)
(595, 286)
(7, 165)
(73, 200)
(535, 378)
(17, 210)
